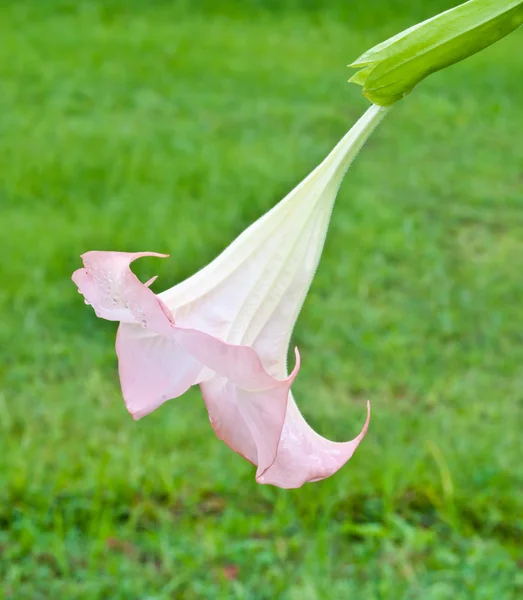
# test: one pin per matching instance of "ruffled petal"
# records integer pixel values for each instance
(158, 361)
(247, 418)
(239, 364)
(116, 294)
(304, 456)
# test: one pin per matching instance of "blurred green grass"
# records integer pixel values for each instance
(170, 127)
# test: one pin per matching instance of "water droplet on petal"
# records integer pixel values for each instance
(143, 323)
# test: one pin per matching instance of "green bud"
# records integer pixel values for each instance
(390, 70)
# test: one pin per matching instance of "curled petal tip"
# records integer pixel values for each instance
(149, 282)
(132, 255)
(297, 365)
(362, 433)
(304, 456)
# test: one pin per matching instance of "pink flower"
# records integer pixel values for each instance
(228, 328)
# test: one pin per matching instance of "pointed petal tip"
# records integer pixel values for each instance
(133, 255)
(149, 282)
(298, 464)
(297, 365)
(365, 427)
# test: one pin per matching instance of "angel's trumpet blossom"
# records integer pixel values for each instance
(228, 328)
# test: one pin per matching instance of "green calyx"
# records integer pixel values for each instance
(390, 70)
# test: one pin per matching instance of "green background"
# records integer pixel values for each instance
(171, 126)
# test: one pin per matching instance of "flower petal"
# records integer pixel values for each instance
(250, 421)
(239, 364)
(116, 294)
(305, 456)
(152, 369)
(158, 361)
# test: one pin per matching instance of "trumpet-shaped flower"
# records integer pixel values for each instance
(228, 328)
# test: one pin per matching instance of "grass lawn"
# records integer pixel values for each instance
(154, 126)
